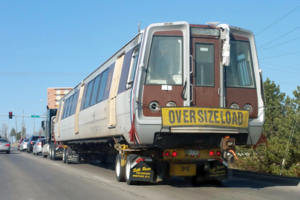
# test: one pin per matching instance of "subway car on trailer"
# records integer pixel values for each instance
(174, 101)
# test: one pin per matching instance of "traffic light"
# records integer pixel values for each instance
(10, 115)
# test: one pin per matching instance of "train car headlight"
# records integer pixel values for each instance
(248, 107)
(235, 106)
(171, 104)
(154, 106)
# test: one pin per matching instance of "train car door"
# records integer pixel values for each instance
(112, 118)
(205, 80)
(76, 127)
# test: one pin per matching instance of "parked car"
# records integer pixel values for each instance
(31, 142)
(19, 143)
(38, 146)
(23, 145)
(4, 145)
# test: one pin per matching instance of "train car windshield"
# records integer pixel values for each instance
(240, 71)
(165, 61)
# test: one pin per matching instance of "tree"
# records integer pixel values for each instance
(4, 130)
(273, 114)
(282, 155)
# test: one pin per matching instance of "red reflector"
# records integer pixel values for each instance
(192, 156)
(139, 160)
(218, 153)
(174, 154)
(167, 154)
(7, 145)
(211, 153)
(198, 155)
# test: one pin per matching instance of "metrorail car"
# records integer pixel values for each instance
(176, 93)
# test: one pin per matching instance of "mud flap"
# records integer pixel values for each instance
(142, 171)
(217, 171)
(72, 157)
(58, 152)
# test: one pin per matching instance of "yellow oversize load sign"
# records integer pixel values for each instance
(197, 116)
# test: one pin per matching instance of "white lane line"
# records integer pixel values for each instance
(103, 179)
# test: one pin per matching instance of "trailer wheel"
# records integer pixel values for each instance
(120, 171)
(53, 152)
(67, 153)
(64, 156)
(44, 156)
(50, 151)
(128, 178)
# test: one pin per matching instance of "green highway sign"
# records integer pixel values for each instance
(35, 116)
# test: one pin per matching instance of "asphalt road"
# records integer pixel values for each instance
(28, 177)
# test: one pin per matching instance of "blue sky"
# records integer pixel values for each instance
(58, 43)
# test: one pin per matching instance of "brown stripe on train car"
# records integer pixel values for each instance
(242, 96)
(155, 93)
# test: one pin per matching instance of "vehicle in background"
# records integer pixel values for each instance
(48, 127)
(38, 146)
(31, 142)
(23, 145)
(4, 145)
(19, 143)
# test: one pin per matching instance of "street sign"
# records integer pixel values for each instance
(35, 116)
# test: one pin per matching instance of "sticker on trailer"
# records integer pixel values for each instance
(199, 116)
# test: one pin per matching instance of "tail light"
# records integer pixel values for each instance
(174, 153)
(39, 144)
(218, 153)
(31, 142)
(167, 154)
(7, 145)
(211, 153)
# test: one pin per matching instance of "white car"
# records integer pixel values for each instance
(23, 145)
(38, 146)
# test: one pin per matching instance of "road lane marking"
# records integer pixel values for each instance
(103, 179)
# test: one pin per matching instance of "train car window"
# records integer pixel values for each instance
(102, 86)
(95, 90)
(70, 106)
(204, 64)
(133, 64)
(165, 61)
(75, 103)
(88, 95)
(65, 108)
(240, 71)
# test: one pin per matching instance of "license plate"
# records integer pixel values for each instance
(198, 116)
(191, 152)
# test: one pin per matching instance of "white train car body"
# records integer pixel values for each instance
(118, 98)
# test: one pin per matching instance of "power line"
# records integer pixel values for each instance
(53, 56)
(277, 21)
(281, 66)
(280, 44)
(41, 73)
(280, 55)
(279, 37)
(281, 70)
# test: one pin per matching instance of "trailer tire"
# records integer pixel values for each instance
(128, 178)
(120, 171)
(53, 152)
(44, 156)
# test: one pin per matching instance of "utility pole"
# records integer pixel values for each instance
(33, 126)
(16, 127)
(22, 125)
